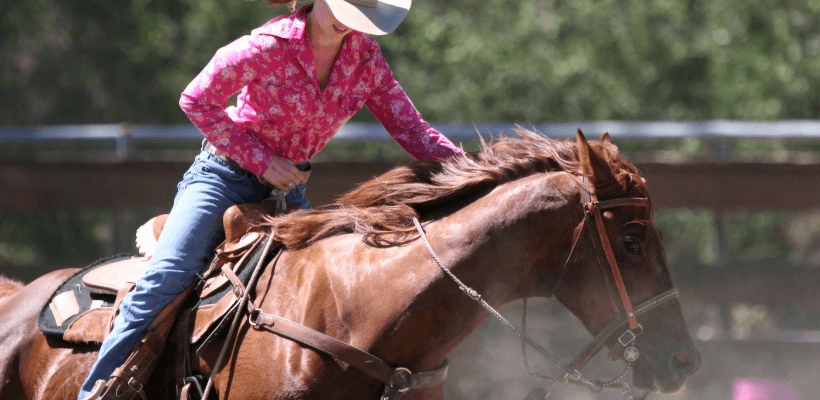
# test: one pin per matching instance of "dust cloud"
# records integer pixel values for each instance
(488, 364)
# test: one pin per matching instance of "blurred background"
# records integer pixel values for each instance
(716, 102)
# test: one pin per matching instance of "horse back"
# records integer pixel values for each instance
(19, 336)
(18, 302)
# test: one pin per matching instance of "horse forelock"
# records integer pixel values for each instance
(627, 178)
(382, 209)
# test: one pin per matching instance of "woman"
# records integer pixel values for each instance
(300, 78)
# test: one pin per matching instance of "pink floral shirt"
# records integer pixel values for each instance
(281, 109)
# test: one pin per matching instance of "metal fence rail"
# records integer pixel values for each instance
(718, 133)
(460, 131)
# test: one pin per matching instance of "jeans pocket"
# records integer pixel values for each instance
(224, 170)
(187, 178)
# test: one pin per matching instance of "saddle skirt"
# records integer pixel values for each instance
(83, 308)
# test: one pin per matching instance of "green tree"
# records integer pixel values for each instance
(88, 61)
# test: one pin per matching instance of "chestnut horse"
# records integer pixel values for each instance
(505, 224)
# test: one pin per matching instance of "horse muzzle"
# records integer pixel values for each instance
(665, 370)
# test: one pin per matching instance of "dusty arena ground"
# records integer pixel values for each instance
(488, 365)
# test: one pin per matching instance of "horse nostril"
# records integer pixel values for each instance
(683, 363)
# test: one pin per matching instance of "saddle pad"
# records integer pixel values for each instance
(107, 278)
(72, 299)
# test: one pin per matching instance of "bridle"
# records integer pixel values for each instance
(593, 222)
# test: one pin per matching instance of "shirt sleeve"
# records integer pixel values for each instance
(204, 100)
(393, 108)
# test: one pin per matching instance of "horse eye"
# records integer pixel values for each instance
(632, 246)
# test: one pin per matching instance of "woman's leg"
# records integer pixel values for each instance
(193, 229)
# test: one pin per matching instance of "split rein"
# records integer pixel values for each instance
(572, 374)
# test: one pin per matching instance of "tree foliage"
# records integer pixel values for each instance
(92, 61)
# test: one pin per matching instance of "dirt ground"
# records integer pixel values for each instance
(488, 364)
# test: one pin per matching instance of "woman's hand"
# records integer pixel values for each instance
(282, 174)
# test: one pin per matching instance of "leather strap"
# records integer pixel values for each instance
(224, 157)
(127, 381)
(220, 155)
(238, 286)
(617, 324)
(183, 339)
(400, 378)
(624, 202)
(613, 264)
(123, 290)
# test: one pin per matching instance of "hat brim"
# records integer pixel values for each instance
(380, 20)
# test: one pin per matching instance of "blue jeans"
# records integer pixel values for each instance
(192, 231)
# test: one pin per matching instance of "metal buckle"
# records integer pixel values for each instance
(404, 373)
(134, 385)
(197, 386)
(575, 375)
(393, 390)
(253, 317)
(627, 338)
(625, 389)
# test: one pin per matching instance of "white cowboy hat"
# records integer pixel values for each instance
(374, 17)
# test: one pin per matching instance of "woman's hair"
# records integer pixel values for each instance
(290, 3)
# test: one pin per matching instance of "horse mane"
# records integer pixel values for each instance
(382, 209)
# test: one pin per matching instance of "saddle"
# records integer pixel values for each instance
(82, 310)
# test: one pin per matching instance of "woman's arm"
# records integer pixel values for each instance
(203, 101)
(393, 108)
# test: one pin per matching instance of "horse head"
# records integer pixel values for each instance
(666, 356)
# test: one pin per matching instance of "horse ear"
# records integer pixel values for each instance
(605, 138)
(593, 165)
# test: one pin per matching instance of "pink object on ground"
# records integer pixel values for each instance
(756, 389)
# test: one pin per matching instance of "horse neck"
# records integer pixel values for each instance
(507, 245)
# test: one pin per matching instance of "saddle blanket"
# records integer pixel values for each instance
(83, 308)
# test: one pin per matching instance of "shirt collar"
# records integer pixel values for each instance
(291, 26)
